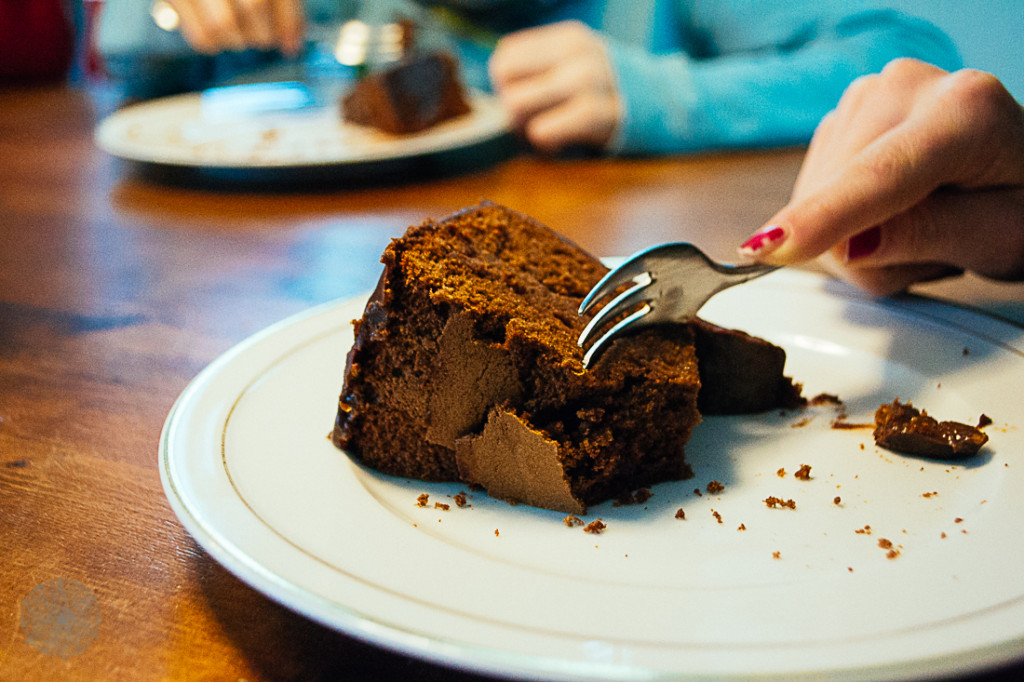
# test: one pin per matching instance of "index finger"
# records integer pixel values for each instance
(892, 174)
(289, 24)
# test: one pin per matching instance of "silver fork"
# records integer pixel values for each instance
(672, 281)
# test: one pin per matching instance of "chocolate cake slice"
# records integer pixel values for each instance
(740, 373)
(416, 93)
(465, 368)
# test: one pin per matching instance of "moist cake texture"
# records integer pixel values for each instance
(740, 373)
(465, 368)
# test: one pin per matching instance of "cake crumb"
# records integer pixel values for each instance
(841, 424)
(742, 526)
(496, 532)
(781, 473)
(696, 491)
(718, 517)
(776, 555)
(803, 473)
(958, 520)
(892, 552)
(901, 427)
(680, 514)
(930, 495)
(715, 487)
(571, 521)
(850, 569)
(825, 399)
(778, 503)
(595, 527)
(460, 499)
(837, 500)
(421, 501)
(442, 506)
(866, 530)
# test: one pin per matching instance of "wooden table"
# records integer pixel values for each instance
(116, 290)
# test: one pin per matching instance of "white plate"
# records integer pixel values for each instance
(491, 587)
(179, 131)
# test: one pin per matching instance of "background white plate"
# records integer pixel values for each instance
(178, 131)
(249, 470)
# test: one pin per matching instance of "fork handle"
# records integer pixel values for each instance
(745, 273)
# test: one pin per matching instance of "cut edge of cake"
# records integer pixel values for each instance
(450, 379)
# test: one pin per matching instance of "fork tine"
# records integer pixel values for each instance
(630, 320)
(633, 267)
(672, 280)
(627, 299)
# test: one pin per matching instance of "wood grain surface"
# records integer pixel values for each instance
(117, 288)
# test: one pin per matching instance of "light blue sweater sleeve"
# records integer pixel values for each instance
(746, 92)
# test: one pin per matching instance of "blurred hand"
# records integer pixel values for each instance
(917, 174)
(557, 84)
(212, 26)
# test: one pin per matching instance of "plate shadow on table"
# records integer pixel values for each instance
(280, 644)
(333, 177)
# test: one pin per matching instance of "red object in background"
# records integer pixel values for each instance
(36, 41)
(91, 60)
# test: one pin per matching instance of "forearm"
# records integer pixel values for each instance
(763, 97)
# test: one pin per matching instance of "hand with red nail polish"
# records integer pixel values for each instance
(917, 174)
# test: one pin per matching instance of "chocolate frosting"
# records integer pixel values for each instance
(901, 427)
(514, 462)
(465, 367)
(475, 375)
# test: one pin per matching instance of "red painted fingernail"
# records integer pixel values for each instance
(765, 240)
(864, 243)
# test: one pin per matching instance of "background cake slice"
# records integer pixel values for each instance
(465, 368)
(411, 95)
